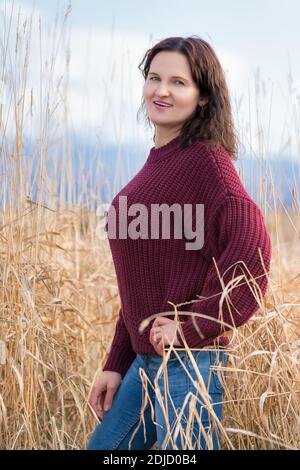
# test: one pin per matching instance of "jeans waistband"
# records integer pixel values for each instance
(158, 358)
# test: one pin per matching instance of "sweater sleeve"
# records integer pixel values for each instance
(236, 232)
(121, 354)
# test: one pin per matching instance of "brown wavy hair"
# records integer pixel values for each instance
(213, 122)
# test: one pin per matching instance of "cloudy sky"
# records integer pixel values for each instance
(256, 41)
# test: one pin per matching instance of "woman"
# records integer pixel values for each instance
(187, 100)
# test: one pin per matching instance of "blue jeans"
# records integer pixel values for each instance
(125, 427)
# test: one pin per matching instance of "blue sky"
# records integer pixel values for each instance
(263, 30)
(255, 40)
(272, 20)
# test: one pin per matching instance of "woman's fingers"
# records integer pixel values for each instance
(156, 341)
(160, 347)
(155, 334)
(94, 401)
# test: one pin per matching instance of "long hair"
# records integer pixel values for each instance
(213, 122)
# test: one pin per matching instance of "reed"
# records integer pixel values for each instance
(59, 297)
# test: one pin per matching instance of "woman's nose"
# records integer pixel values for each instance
(162, 89)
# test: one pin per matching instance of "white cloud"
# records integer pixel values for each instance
(104, 72)
(14, 8)
(105, 86)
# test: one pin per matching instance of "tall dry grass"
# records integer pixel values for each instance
(59, 298)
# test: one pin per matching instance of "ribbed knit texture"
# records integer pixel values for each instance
(152, 272)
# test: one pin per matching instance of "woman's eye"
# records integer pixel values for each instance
(175, 80)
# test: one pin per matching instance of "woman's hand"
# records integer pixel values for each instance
(162, 333)
(163, 330)
(103, 391)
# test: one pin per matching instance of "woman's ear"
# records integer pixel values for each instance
(203, 101)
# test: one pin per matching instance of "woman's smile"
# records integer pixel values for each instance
(161, 106)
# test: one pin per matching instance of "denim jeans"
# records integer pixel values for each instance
(122, 426)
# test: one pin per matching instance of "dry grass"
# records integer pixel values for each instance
(59, 301)
(59, 304)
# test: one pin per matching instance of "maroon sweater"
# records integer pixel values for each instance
(152, 272)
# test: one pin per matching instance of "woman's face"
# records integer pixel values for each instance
(170, 80)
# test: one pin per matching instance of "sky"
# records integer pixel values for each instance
(257, 43)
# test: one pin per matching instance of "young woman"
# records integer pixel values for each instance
(190, 166)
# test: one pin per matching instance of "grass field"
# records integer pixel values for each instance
(59, 297)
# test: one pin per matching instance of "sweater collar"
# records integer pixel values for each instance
(165, 151)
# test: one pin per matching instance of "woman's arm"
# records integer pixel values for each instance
(237, 231)
(121, 354)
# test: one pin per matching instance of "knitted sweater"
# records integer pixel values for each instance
(154, 273)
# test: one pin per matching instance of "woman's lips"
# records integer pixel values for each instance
(160, 106)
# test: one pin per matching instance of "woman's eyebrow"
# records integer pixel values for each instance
(175, 76)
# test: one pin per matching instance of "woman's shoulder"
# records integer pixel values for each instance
(213, 153)
(215, 163)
